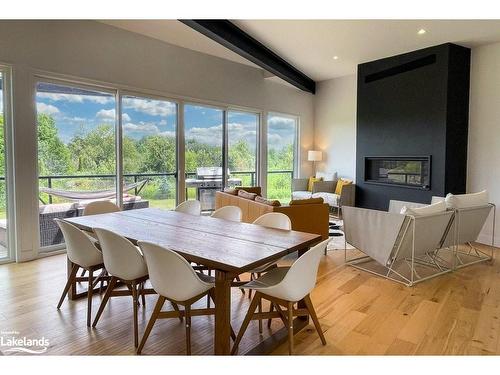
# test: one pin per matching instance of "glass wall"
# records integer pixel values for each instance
(4, 248)
(242, 129)
(149, 145)
(203, 153)
(76, 152)
(282, 133)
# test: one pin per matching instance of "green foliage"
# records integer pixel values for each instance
(93, 153)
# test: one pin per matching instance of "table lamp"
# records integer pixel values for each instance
(314, 156)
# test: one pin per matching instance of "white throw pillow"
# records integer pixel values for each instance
(431, 209)
(327, 176)
(467, 200)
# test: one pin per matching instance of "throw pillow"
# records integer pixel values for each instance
(431, 209)
(340, 183)
(269, 202)
(231, 191)
(467, 200)
(311, 182)
(246, 195)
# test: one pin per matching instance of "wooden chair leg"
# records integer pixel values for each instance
(151, 323)
(143, 294)
(135, 302)
(314, 318)
(176, 308)
(83, 272)
(271, 308)
(290, 328)
(259, 309)
(90, 292)
(71, 279)
(246, 321)
(241, 289)
(187, 311)
(109, 289)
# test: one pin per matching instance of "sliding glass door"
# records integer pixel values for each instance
(149, 145)
(4, 237)
(76, 153)
(282, 131)
(203, 135)
(242, 143)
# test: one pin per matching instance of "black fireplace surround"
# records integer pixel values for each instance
(412, 109)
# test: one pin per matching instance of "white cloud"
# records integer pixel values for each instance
(75, 98)
(108, 115)
(142, 127)
(150, 107)
(47, 109)
(281, 123)
(211, 135)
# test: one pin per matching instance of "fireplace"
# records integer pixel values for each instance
(404, 171)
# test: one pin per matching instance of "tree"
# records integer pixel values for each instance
(158, 154)
(53, 156)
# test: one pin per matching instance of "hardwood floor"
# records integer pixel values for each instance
(360, 313)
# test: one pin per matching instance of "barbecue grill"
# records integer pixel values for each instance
(208, 180)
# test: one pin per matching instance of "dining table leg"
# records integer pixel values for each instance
(222, 345)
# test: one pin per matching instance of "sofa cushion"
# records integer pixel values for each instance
(301, 195)
(331, 198)
(231, 191)
(306, 201)
(467, 200)
(250, 189)
(311, 182)
(269, 202)
(430, 209)
(245, 194)
(340, 183)
(327, 176)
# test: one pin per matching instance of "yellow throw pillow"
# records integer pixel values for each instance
(311, 182)
(340, 183)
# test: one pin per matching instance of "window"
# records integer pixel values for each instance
(242, 131)
(203, 153)
(4, 246)
(149, 144)
(281, 155)
(76, 152)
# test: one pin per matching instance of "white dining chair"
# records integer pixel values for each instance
(231, 213)
(100, 207)
(82, 253)
(125, 263)
(286, 287)
(274, 220)
(191, 207)
(173, 278)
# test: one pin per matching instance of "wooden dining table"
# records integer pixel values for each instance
(229, 248)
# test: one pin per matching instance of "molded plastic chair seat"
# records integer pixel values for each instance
(83, 253)
(191, 207)
(268, 280)
(100, 207)
(231, 213)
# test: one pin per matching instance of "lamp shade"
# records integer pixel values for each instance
(314, 155)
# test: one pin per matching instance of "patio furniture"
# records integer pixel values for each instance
(403, 248)
(82, 253)
(286, 287)
(100, 207)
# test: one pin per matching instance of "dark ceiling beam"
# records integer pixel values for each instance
(230, 36)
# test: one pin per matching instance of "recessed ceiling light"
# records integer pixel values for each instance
(421, 32)
(335, 57)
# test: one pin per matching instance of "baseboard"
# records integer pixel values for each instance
(486, 239)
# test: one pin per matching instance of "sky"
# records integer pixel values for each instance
(77, 111)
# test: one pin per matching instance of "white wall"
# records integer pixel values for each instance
(100, 52)
(483, 166)
(335, 125)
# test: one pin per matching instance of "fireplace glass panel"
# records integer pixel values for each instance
(404, 171)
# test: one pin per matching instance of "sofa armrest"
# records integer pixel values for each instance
(324, 186)
(347, 195)
(299, 184)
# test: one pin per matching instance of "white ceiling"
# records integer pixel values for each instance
(310, 45)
